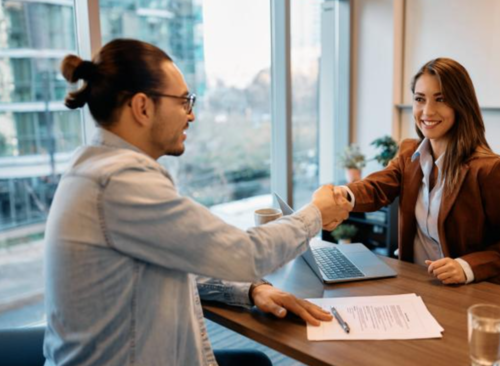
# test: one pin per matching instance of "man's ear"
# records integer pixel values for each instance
(142, 109)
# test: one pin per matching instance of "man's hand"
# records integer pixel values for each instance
(333, 206)
(447, 270)
(271, 300)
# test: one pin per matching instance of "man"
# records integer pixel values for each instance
(127, 257)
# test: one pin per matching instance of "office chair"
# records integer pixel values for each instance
(22, 346)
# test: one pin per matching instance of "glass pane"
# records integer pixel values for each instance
(37, 137)
(306, 53)
(226, 61)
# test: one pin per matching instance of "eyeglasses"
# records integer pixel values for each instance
(189, 100)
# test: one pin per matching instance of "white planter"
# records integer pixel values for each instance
(352, 175)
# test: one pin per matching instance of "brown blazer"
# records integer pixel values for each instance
(469, 218)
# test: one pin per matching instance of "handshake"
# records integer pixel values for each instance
(333, 204)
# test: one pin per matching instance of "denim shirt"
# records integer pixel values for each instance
(126, 256)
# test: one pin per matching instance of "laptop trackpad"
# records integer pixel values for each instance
(365, 260)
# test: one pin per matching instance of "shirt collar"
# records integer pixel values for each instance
(440, 162)
(423, 152)
(103, 137)
(422, 149)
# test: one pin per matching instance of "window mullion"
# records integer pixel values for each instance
(334, 101)
(88, 30)
(281, 149)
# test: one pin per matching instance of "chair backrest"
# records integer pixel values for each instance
(22, 346)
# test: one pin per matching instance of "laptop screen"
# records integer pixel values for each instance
(287, 210)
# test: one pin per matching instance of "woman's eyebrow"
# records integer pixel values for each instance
(435, 94)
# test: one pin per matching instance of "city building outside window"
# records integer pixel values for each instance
(37, 138)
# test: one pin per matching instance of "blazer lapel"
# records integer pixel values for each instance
(415, 181)
(447, 203)
(408, 201)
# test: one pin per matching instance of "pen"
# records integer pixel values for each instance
(341, 321)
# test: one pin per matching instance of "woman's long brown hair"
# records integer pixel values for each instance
(467, 136)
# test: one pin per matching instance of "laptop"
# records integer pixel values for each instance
(334, 263)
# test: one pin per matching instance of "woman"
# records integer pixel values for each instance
(447, 182)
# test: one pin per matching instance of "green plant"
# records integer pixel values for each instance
(344, 231)
(388, 149)
(352, 158)
(4, 146)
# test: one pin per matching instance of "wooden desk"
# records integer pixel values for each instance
(448, 304)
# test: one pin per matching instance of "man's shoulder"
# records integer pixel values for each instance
(101, 163)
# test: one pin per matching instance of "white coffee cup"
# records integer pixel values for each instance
(265, 215)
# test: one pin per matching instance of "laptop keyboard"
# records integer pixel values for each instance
(334, 264)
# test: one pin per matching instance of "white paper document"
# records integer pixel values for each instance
(377, 317)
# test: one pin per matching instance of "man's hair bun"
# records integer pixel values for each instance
(74, 68)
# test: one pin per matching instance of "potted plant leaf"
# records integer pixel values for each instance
(388, 149)
(344, 233)
(353, 161)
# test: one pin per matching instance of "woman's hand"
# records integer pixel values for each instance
(447, 270)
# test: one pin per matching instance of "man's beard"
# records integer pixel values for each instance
(157, 130)
(177, 152)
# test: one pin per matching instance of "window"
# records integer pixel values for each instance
(305, 58)
(37, 137)
(37, 26)
(223, 48)
(226, 62)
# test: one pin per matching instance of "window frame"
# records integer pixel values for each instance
(334, 120)
(281, 102)
(88, 37)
